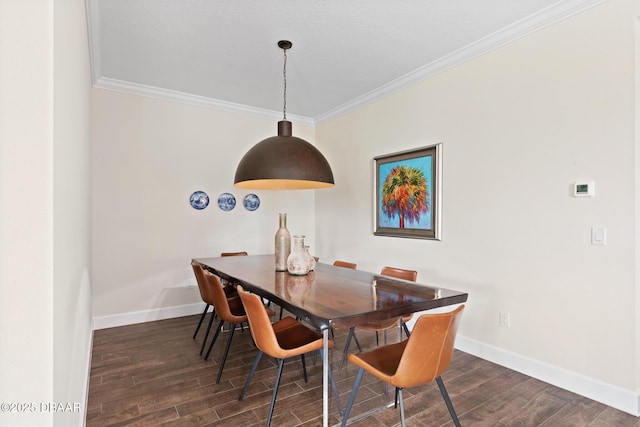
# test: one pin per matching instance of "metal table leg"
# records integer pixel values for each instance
(325, 378)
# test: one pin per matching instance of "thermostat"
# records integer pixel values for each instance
(584, 189)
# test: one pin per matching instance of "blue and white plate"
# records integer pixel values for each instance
(251, 202)
(226, 201)
(199, 200)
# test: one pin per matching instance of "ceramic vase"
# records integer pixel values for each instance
(312, 260)
(283, 244)
(298, 262)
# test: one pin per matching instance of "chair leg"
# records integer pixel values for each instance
(226, 352)
(447, 400)
(250, 377)
(352, 397)
(406, 330)
(204, 313)
(395, 404)
(206, 335)
(213, 341)
(355, 338)
(402, 422)
(304, 368)
(275, 391)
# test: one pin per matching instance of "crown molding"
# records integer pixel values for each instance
(511, 33)
(200, 101)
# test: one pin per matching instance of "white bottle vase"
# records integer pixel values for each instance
(283, 244)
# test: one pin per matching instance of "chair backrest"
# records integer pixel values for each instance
(345, 264)
(429, 349)
(400, 273)
(205, 291)
(212, 292)
(260, 324)
(233, 254)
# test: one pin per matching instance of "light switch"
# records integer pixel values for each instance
(598, 236)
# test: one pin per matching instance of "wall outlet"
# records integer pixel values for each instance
(191, 282)
(505, 320)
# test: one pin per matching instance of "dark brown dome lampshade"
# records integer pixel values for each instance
(283, 162)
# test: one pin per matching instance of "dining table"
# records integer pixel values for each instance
(330, 296)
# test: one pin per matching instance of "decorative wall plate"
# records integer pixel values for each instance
(199, 200)
(226, 201)
(251, 202)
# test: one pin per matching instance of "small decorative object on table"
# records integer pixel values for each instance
(283, 244)
(298, 262)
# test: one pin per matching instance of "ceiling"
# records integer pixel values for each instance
(346, 53)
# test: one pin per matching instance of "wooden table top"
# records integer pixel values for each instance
(331, 296)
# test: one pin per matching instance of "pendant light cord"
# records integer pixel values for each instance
(284, 76)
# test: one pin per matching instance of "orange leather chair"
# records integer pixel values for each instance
(206, 294)
(228, 310)
(419, 359)
(345, 264)
(283, 339)
(401, 273)
(386, 324)
(234, 254)
(230, 291)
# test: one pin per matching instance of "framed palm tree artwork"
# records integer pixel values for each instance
(407, 187)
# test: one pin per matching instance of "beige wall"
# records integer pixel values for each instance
(518, 126)
(149, 155)
(45, 317)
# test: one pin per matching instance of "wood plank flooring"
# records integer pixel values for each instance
(151, 374)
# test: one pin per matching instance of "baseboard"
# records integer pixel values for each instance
(610, 395)
(123, 319)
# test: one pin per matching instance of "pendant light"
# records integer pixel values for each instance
(283, 162)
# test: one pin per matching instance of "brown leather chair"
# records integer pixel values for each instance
(204, 294)
(233, 254)
(401, 273)
(283, 339)
(207, 296)
(345, 264)
(223, 254)
(228, 310)
(386, 324)
(419, 359)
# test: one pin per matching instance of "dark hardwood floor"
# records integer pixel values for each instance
(151, 374)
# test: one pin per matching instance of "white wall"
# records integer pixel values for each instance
(637, 185)
(72, 317)
(44, 210)
(149, 155)
(519, 125)
(26, 236)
